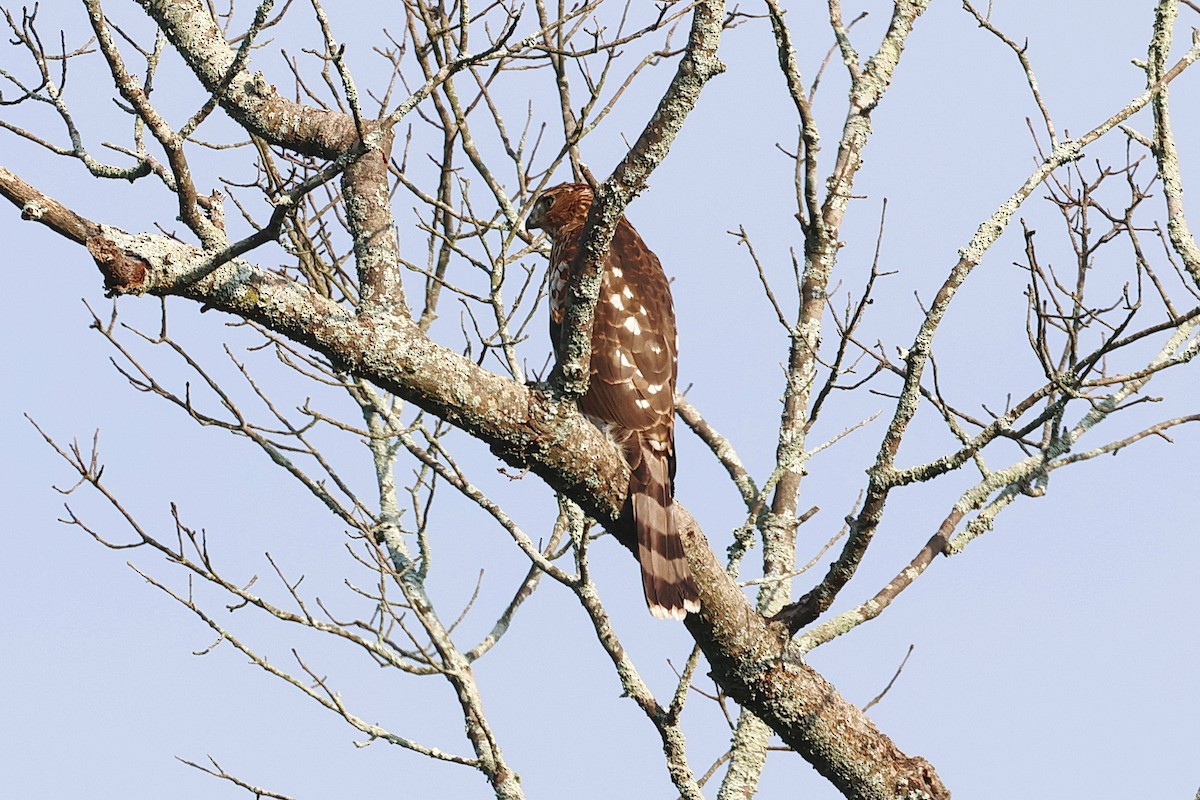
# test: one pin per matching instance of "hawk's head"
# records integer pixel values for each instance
(560, 206)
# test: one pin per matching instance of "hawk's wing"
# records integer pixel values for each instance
(633, 341)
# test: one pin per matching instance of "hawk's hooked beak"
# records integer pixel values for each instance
(537, 214)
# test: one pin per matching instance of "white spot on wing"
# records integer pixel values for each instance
(624, 359)
(631, 325)
(654, 388)
(617, 302)
(655, 348)
(616, 272)
(625, 290)
(640, 403)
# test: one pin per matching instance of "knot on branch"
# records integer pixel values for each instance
(567, 382)
(259, 86)
(124, 273)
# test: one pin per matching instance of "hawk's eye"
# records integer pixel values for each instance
(537, 215)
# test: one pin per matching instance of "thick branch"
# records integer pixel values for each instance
(372, 226)
(250, 99)
(833, 735)
(38, 207)
(558, 444)
(1164, 140)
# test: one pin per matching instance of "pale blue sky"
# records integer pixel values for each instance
(1055, 658)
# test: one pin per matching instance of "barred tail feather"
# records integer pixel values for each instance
(670, 590)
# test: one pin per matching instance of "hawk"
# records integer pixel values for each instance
(631, 392)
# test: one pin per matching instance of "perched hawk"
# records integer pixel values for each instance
(631, 393)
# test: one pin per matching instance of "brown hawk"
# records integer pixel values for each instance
(631, 392)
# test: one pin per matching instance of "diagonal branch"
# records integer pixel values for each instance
(559, 445)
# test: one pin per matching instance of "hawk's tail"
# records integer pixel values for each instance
(670, 590)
